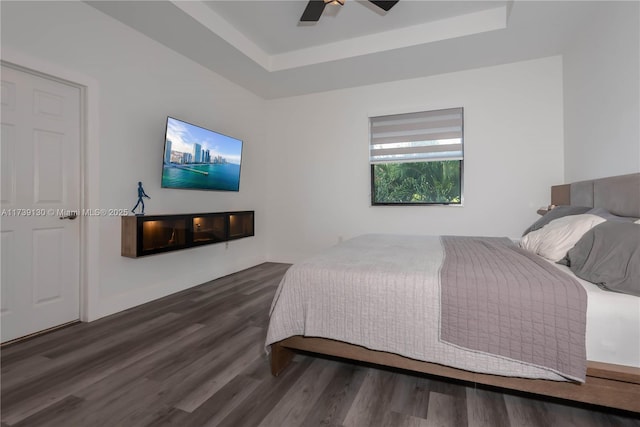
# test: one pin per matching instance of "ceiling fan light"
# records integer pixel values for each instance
(340, 2)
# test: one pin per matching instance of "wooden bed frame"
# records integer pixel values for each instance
(608, 385)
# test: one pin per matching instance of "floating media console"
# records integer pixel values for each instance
(154, 234)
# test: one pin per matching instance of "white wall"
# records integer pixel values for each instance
(305, 168)
(319, 180)
(602, 93)
(139, 83)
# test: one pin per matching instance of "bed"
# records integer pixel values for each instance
(412, 331)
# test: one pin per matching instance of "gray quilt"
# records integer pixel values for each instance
(498, 298)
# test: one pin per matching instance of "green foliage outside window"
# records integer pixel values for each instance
(417, 183)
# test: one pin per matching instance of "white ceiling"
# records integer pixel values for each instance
(262, 46)
(274, 25)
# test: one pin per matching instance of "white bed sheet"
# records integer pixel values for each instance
(613, 325)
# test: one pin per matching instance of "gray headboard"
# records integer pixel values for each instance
(620, 194)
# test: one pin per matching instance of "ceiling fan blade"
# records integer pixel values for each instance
(313, 11)
(384, 5)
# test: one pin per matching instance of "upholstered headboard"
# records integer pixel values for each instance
(620, 195)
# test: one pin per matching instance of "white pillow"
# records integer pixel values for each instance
(637, 222)
(554, 240)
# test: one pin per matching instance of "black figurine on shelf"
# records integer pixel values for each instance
(141, 195)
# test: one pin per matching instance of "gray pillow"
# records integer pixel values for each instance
(609, 256)
(603, 213)
(555, 213)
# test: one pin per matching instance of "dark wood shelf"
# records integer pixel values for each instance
(153, 234)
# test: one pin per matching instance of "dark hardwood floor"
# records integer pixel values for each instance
(196, 358)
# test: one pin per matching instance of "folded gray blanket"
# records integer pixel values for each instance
(498, 298)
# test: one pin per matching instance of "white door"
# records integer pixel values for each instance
(40, 174)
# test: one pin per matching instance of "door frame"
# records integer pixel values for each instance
(89, 281)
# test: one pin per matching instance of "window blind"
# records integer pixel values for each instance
(417, 137)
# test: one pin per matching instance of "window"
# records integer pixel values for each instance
(416, 158)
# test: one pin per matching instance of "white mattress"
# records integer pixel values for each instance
(613, 325)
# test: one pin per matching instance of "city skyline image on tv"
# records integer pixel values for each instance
(199, 158)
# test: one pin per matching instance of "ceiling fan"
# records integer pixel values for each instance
(315, 7)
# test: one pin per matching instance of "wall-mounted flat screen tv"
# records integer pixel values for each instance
(200, 159)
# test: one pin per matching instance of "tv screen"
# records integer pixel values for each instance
(201, 159)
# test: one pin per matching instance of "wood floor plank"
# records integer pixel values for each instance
(55, 385)
(198, 346)
(259, 369)
(86, 334)
(299, 400)
(196, 358)
(23, 370)
(411, 397)
(443, 411)
(221, 404)
(143, 410)
(104, 402)
(188, 383)
(54, 415)
(264, 398)
(122, 339)
(458, 393)
(139, 369)
(338, 396)
(372, 399)
(526, 412)
(397, 419)
(562, 415)
(116, 407)
(214, 383)
(486, 408)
